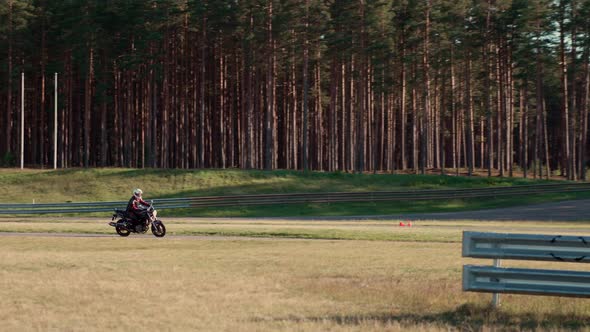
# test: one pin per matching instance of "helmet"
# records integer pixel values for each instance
(137, 192)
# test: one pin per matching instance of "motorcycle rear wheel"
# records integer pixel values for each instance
(158, 229)
(122, 231)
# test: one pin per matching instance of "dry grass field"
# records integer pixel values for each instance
(375, 277)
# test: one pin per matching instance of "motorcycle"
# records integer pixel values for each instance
(128, 224)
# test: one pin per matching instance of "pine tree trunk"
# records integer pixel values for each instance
(360, 114)
(510, 131)
(546, 142)
(454, 116)
(572, 97)
(103, 130)
(221, 144)
(153, 126)
(332, 114)
(275, 135)
(295, 117)
(116, 137)
(482, 147)
(202, 94)
(469, 110)
(404, 118)
(585, 102)
(426, 116)
(442, 122)
(88, 106)
(320, 143)
(539, 102)
(499, 111)
(415, 120)
(511, 102)
(68, 118)
(566, 157)
(42, 158)
(393, 128)
(103, 115)
(523, 146)
(344, 127)
(305, 89)
(8, 131)
(526, 134)
(384, 130)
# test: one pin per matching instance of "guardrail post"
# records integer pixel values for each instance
(496, 296)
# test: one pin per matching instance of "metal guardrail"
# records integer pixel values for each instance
(526, 247)
(496, 280)
(272, 199)
(526, 281)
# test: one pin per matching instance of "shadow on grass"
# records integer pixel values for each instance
(467, 317)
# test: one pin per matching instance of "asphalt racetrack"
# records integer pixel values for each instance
(577, 210)
(565, 211)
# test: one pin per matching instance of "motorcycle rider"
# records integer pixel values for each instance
(137, 207)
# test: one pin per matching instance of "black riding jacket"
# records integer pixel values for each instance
(134, 202)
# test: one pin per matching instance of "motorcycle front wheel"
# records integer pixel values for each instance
(158, 229)
(122, 231)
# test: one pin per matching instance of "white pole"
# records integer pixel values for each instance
(22, 122)
(55, 125)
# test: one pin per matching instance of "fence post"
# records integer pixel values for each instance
(496, 296)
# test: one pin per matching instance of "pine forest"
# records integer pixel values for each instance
(499, 87)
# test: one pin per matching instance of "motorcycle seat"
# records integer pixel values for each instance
(124, 213)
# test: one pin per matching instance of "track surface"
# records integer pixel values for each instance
(577, 210)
